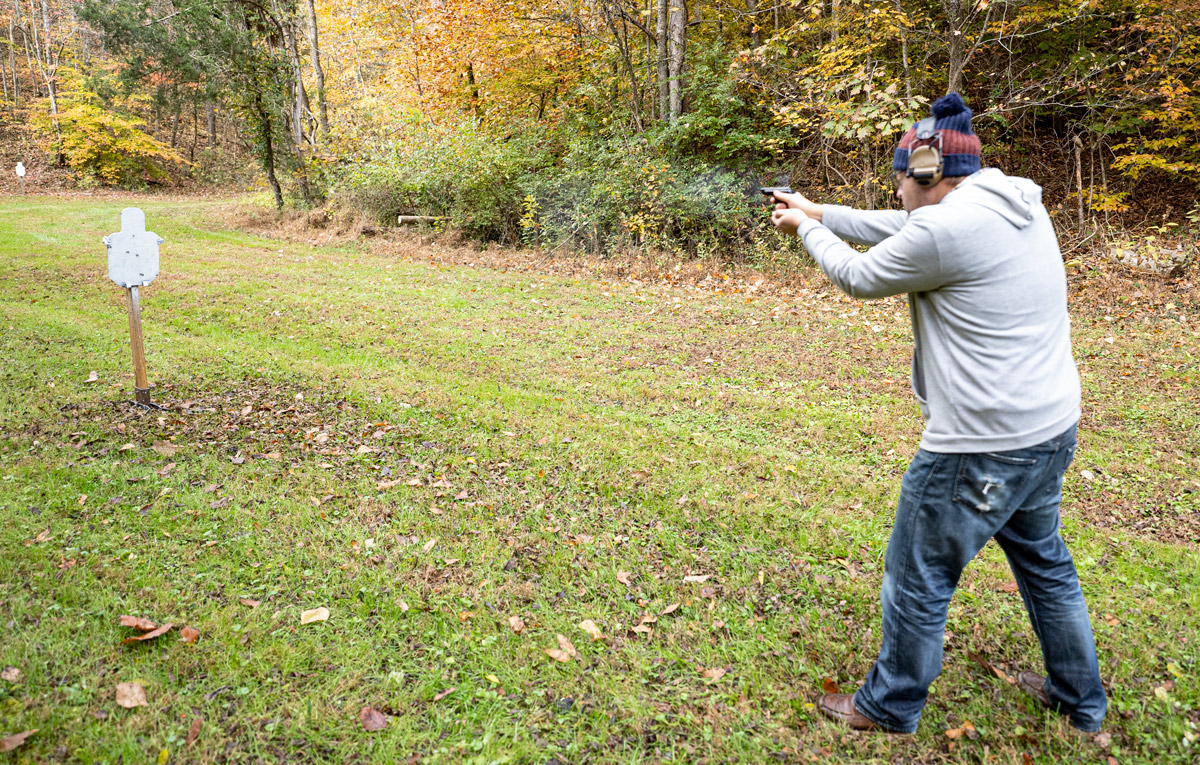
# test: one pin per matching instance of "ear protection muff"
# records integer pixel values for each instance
(925, 162)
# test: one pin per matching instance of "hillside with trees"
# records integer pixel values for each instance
(609, 124)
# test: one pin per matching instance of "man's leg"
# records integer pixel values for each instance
(933, 538)
(1049, 586)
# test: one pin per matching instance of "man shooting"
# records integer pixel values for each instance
(992, 370)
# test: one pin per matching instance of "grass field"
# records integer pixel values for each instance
(464, 462)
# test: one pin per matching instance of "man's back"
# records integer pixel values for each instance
(992, 368)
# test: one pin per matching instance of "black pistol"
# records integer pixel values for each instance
(770, 191)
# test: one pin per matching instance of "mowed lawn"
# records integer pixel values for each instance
(553, 518)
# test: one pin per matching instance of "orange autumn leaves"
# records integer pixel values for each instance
(148, 630)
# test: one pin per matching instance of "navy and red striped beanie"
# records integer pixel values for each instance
(960, 145)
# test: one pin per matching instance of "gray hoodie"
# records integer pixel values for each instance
(987, 293)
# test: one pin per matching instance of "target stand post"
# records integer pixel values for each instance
(133, 263)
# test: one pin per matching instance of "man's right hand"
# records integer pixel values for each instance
(798, 201)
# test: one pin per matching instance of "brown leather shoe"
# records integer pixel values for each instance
(840, 707)
(1035, 685)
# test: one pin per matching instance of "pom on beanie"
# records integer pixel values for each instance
(960, 145)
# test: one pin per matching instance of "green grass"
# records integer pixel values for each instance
(564, 432)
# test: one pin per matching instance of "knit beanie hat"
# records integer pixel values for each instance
(960, 145)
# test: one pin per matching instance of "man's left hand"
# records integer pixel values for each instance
(788, 219)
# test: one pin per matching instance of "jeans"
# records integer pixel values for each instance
(950, 505)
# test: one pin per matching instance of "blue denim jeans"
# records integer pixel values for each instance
(950, 505)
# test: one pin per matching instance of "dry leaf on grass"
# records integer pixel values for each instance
(372, 719)
(625, 578)
(149, 635)
(193, 731)
(516, 624)
(189, 634)
(830, 685)
(130, 695)
(9, 743)
(314, 615)
(565, 651)
(670, 609)
(10, 674)
(716, 673)
(249, 602)
(429, 545)
(591, 628)
(967, 729)
(444, 694)
(699, 578)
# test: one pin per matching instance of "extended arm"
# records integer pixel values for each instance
(905, 262)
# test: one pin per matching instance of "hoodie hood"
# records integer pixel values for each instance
(1013, 199)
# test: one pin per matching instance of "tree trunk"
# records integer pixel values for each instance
(904, 54)
(318, 72)
(664, 69)
(264, 124)
(212, 125)
(755, 30)
(954, 53)
(678, 52)
(12, 64)
(474, 88)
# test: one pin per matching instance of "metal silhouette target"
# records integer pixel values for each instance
(133, 251)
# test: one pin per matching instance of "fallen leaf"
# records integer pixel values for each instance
(516, 624)
(165, 448)
(320, 614)
(1102, 739)
(590, 627)
(237, 459)
(372, 719)
(149, 635)
(1010, 587)
(830, 685)
(249, 602)
(967, 730)
(193, 731)
(189, 634)
(10, 674)
(625, 578)
(429, 545)
(403, 606)
(670, 609)
(138, 623)
(444, 694)
(92, 377)
(644, 629)
(130, 695)
(565, 644)
(45, 535)
(166, 471)
(1111, 620)
(699, 578)
(9, 743)
(127, 448)
(565, 651)
(716, 673)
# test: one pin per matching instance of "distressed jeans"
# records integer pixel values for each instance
(950, 505)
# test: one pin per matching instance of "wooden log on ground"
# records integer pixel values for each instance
(412, 220)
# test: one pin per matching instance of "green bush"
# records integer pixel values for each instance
(601, 193)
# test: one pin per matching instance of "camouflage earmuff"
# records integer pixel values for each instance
(925, 162)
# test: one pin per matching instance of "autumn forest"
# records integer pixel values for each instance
(607, 124)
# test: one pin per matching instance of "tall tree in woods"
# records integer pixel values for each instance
(243, 53)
